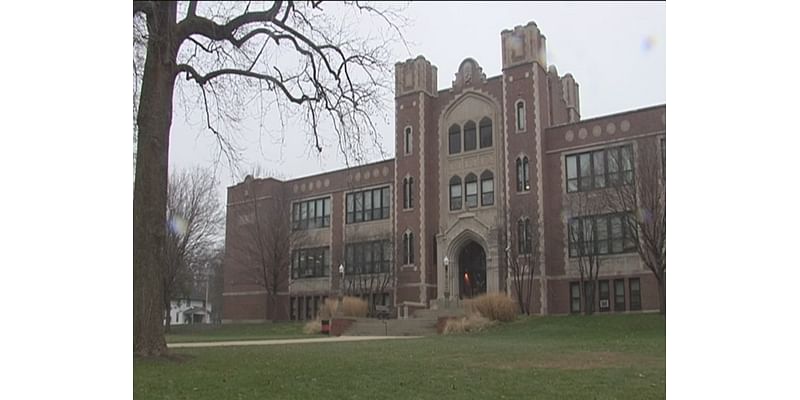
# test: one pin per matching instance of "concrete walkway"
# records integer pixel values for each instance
(287, 341)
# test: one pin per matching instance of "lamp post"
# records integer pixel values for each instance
(447, 281)
(341, 282)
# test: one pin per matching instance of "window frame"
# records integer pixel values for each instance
(616, 164)
(601, 284)
(455, 182)
(520, 120)
(470, 132)
(310, 262)
(454, 138)
(408, 140)
(523, 174)
(355, 205)
(637, 304)
(307, 214)
(485, 122)
(619, 293)
(486, 177)
(470, 180)
(624, 240)
(573, 299)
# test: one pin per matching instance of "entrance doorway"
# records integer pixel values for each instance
(472, 271)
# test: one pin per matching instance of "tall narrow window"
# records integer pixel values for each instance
(471, 189)
(636, 294)
(407, 140)
(454, 139)
(485, 128)
(619, 295)
(524, 240)
(604, 296)
(575, 297)
(523, 175)
(470, 136)
(487, 188)
(455, 193)
(408, 248)
(408, 196)
(520, 116)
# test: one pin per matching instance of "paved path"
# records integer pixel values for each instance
(287, 341)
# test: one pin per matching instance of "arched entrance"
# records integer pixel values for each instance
(472, 270)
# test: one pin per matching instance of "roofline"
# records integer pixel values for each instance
(607, 116)
(341, 169)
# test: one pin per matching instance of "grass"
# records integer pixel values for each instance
(217, 333)
(600, 357)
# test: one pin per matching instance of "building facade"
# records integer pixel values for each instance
(484, 173)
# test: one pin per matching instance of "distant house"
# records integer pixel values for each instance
(189, 311)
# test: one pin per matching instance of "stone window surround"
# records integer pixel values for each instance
(478, 149)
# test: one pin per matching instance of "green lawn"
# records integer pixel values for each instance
(576, 357)
(216, 333)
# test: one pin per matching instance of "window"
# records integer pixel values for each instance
(600, 168)
(600, 234)
(408, 197)
(470, 136)
(310, 263)
(487, 188)
(455, 193)
(524, 241)
(368, 257)
(454, 138)
(471, 189)
(619, 295)
(293, 314)
(485, 128)
(523, 175)
(605, 301)
(520, 116)
(575, 297)
(408, 248)
(636, 294)
(311, 214)
(407, 140)
(368, 205)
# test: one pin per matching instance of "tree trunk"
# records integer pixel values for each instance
(150, 188)
(167, 317)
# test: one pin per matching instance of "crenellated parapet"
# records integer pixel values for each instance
(524, 44)
(415, 75)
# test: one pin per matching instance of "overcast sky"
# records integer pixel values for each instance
(615, 51)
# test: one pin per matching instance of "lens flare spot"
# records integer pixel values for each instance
(178, 225)
(648, 43)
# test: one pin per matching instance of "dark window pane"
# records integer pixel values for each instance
(486, 133)
(454, 138)
(470, 138)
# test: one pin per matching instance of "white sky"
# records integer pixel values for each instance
(604, 46)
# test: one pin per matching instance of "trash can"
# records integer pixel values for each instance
(326, 327)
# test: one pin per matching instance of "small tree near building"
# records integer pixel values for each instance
(523, 258)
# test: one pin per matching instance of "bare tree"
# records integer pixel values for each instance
(645, 201)
(522, 253)
(583, 242)
(195, 219)
(281, 55)
(263, 247)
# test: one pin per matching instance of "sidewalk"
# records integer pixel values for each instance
(287, 341)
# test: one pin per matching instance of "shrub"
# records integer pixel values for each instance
(313, 327)
(328, 308)
(354, 307)
(495, 306)
(471, 323)
(351, 307)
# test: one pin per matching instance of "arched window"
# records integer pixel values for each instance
(408, 195)
(487, 188)
(486, 132)
(470, 136)
(454, 138)
(407, 140)
(455, 193)
(520, 107)
(408, 248)
(471, 189)
(524, 236)
(523, 175)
